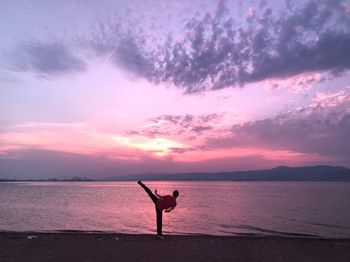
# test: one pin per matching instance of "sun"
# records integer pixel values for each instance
(157, 146)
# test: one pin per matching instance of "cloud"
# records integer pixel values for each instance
(47, 58)
(327, 99)
(77, 138)
(321, 128)
(295, 84)
(250, 12)
(212, 51)
(129, 56)
(179, 125)
(217, 53)
(124, 45)
(181, 150)
(84, 139)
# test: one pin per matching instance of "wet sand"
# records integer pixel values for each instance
(79, 246)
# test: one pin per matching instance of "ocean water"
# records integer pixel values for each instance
(217, 208)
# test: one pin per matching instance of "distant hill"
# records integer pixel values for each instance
(282, 173)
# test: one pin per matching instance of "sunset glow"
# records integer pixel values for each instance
(194, 87)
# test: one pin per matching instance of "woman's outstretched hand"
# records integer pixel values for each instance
(155, 191)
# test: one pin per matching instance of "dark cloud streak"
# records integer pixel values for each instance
(49, 58)
(124, 46)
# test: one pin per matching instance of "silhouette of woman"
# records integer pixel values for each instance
(167, 203)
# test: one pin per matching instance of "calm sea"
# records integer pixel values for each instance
(218, 208)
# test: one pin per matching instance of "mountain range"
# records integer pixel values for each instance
(282, 173)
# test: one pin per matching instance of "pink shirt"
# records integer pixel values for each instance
(166, 202)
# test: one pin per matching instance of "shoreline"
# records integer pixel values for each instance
(268, 234)
(106, 246)
(233, 235)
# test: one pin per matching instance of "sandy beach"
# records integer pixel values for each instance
(80, 246)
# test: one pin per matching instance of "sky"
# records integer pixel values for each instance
(107, 88)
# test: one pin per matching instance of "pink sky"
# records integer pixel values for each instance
(80, 100)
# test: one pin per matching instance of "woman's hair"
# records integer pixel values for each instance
(175, 193)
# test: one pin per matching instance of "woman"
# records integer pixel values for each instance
(167, 203)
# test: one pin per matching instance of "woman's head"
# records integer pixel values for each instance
(175, 193)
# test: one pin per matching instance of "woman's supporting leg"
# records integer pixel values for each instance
(159, 222)
(149, 192)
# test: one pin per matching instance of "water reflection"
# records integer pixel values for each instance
(220, 208)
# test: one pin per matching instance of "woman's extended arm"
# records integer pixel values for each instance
(155, 191)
